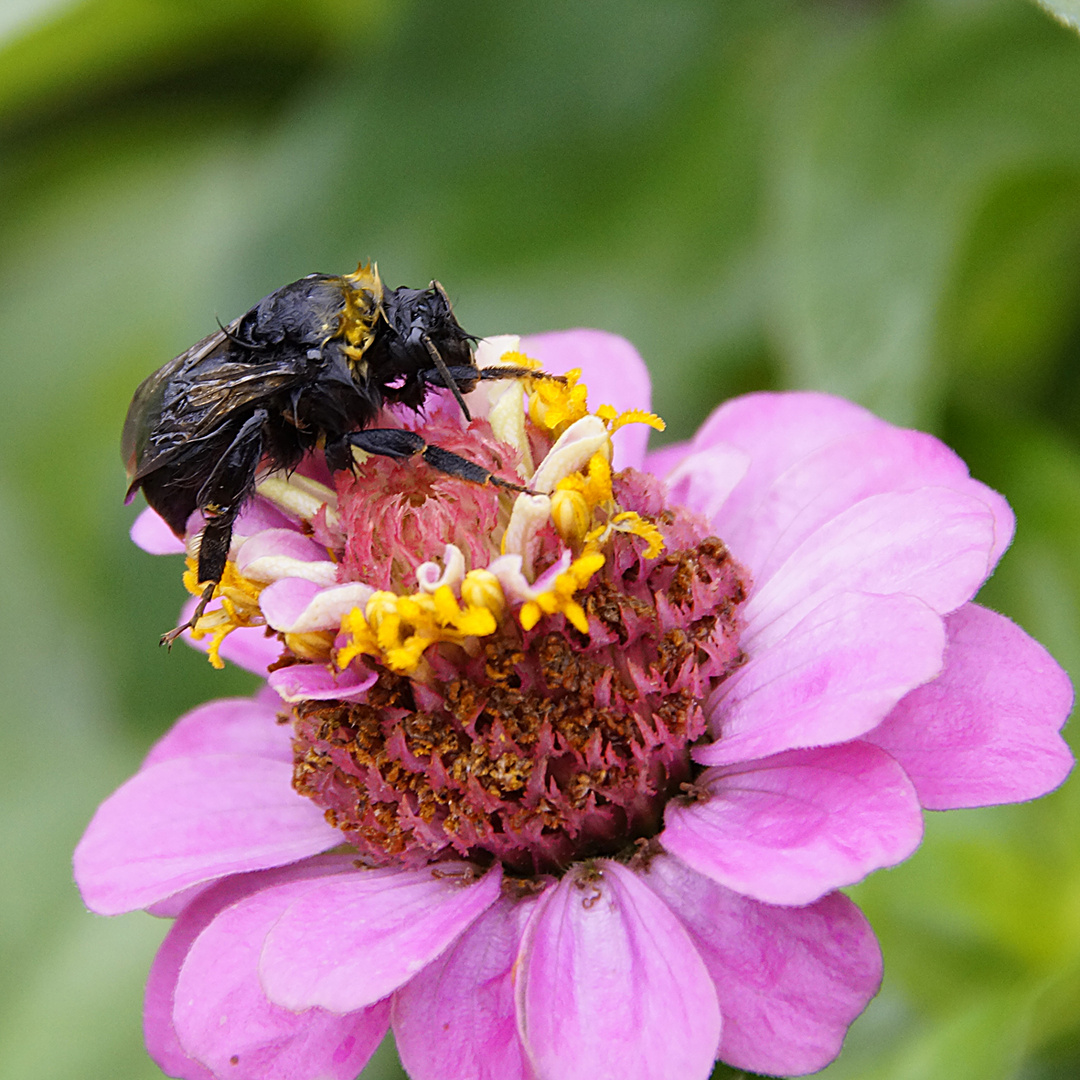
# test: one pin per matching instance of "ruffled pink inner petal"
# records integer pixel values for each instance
(793, 827)
(184, 821)
(466, 996)
(610, 984)
(161, 1039)
(832, 677)
(150, 532)
(355, 939)
(613, 371)
(789, 979)
(986, 731)
(223, 1019)
(226, 726)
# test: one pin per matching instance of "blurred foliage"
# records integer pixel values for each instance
(880, 199)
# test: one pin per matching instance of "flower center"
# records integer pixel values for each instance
(546, 745)
(481, 674)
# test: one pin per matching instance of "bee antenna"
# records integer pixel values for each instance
(232, 337)
(440, 365)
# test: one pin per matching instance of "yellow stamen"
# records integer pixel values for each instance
(239, 607)
(554, 406)
(398, 629)
(560, 597)
(615, 420)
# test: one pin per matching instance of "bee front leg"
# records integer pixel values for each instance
(221, 499)
(399, 443)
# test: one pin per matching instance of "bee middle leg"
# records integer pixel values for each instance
(399, 443)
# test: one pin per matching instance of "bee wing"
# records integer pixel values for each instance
(187, 400)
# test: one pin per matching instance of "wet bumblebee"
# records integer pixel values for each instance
(311, 365)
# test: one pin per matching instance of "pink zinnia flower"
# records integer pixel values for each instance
(565, 785)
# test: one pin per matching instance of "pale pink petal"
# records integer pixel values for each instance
(150, 532)
(185, 821)
(172, 906)
(609, 984)
(466, 997)
(932, 543)
(793, 827)
(789, 979)
(259, 514)
(279, 553)
(226, 726)
(298, 606)
(318, 682)
(270, 543)
(357, 938)
(222, 1018)
(161, 1040)
(832, 677)
(986, 731)
(614, 373)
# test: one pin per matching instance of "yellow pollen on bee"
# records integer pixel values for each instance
(239, 607)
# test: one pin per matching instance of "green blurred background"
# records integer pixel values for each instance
(880, 199)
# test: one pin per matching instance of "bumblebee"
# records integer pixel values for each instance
(311, 365)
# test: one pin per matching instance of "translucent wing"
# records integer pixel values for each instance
(186, 401)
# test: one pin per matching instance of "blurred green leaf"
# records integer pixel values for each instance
(893, 128)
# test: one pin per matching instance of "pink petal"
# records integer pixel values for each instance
(466, 996)
(357, 938)
(776, 430)
(614, 373)
(184, 821)
(609, 984)
(841, 474)
(933, 544)
(226, 726)
(793, 827)
(150, 532)
(986, 731)
(661, 461)
(222, 1018)
(161, 1040)
(789, 980)
(703, 480)
(317, 682)
(832, 677)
